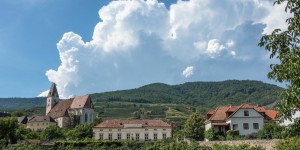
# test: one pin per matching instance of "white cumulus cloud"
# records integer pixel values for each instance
(188, 71)
(139, 42)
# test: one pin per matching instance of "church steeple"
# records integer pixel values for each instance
(53, 91)
(52, 98)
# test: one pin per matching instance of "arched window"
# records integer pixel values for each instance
(86, 117)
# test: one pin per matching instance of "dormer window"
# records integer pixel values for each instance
(246, 113)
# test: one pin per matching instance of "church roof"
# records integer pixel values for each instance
(60, 109)
(82, 102)
(53, 91)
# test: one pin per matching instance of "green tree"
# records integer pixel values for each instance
(270, 131)
(285, 46)
(19, 113)
(52, 132)
(8, 127)
(194, 126)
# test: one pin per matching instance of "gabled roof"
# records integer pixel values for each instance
(41, 119)
(23, 119)
(82, 102)
(116, 123)
(53, 91)
(60, 109)
(220, 113)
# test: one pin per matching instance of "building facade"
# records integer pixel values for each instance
(40, 122)
(139, 130)
(69, 112)
(245, 118)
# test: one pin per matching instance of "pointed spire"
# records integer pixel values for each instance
(53, 90)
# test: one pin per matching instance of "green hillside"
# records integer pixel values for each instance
(171, 102)
(203, 94)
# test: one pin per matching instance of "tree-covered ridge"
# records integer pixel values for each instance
(21, 103)
(206, 94)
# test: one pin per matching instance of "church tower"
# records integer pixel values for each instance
(52, 98)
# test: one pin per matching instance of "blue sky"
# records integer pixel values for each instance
(98, 45)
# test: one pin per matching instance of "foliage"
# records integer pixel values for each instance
(209, 134)
(25, 133)
(270, 131)
(236, 147)
(288, 144)
(52, 132)
(285, 46)
(21, 103)
(19, 113)
(232, 134)
(80, 132)
(194, 127)
(8, 127)
(206, 94)
(293, 130)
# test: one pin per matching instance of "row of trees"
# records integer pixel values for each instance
(11, 131)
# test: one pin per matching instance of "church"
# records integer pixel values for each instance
(69, 112)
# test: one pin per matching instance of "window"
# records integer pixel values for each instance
(255, 126)
(146, 136)
(38, 124)
(164, 129)
(155, 129)
(155, 136)
(110, 136)
(101, 129)
(110, 129)
(164, 136)
(146, 129)
(46, 123)
(119, 136)
(119, 129)
(246, 113)
(128, 136)
(42, 123)
(137, 136)
(235, 127)
(101, 136)
(86, 117)
(246, 126)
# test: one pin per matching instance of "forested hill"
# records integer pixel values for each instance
(206, 94)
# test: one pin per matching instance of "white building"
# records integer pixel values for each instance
(295, 117)
(69, 112)
(140, 130)
(245, 118)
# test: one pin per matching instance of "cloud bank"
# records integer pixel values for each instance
(140, 42)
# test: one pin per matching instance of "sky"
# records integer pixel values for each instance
(99, 45)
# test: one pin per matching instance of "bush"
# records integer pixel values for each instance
(270, 131)
(288, 144)
(209, 134)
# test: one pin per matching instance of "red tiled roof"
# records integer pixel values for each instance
(116, 123)
(272, 114)
(41, 119)
(60, 109)
(82, 102)
(219, 114)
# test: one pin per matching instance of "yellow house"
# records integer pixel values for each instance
(40, 122)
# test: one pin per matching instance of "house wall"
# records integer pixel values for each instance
(287, 122)
(63, 122)
(239, 119)
(39, 125)
(207, 126)
(141, 131)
